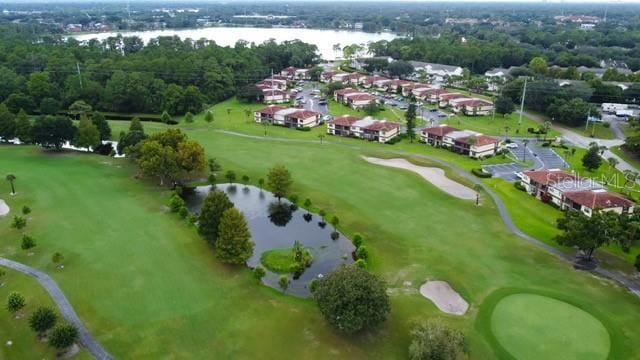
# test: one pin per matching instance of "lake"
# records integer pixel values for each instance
(228, 36)
(274, 225)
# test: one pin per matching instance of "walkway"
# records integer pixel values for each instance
(630, 283)
(65, 307)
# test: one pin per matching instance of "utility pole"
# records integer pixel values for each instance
(524, 93)
(586, 127)
(79, 74)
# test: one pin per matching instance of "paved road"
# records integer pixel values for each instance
(584, 141)
(64, 305)
(627, 281)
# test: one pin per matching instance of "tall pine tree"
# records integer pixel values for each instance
(234, 244)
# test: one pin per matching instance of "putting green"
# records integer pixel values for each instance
(531, 326)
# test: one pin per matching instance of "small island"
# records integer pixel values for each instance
(293, 260)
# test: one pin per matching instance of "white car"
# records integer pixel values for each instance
(511, 146)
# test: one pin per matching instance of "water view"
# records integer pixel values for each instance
(277, 225)
(228, 36)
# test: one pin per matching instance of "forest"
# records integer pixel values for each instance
(45, 74)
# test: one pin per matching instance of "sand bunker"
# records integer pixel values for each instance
(4, 208)
(445, 298)
(434, 175)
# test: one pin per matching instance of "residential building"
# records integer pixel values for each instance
(471, 106)
(569, 191)
(368, 128)
(466, 142)
(293, 73)
(444, 99)
(371, 80)
(438, 72)
(274, 96)
(359, 99)
(273, 83)
(334, 76)
(339, 95)
(356, 78)
(287, 117)
(341, 125)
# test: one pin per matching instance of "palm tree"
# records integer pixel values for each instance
(11, 178)
(506, 130)
(613, 162)
(524, 152)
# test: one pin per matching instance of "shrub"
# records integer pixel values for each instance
(175, 203)
(546, 144)
(335, 235)
(606, 125)
(394, 140)
(63, 336)
(361, 263)
(518, 185)
(42, 320)
(183, 212)
(26, 210)
(352, 299)
(480, 173)
(303, 129)
(259, 273)
(27, 242)
(362, 253)
(435, 340)
(15, 302)
(18, 222)
(357, 240)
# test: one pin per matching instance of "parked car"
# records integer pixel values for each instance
(322, 102)
(511, 146)
(327, 118)
(433, 110)
(403, 107)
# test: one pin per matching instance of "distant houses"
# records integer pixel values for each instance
(366, 128)
(288, 117)
(466, 142)
(275, 88)
(570, 191)
(434, 94)
(437, 72)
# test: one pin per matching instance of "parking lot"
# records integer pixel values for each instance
(542, 157)
(506, 171)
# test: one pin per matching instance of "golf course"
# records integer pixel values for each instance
(146, 285)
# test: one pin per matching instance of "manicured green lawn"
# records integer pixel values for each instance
(147, 286)
(532, 326)
(25, 342)
(388, 112)
(595, 130)
(626, 156)
(495, 125)
(278, 260)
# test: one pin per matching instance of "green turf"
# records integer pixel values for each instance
(147, 286)
(625, 155)
(495, 125)
(279, 260)
(531, 326)
(25, 342)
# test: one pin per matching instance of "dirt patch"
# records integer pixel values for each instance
(434, 175)
(444, 297)
(4, 208)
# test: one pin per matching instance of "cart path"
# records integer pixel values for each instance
(86, 339)
(623, 279)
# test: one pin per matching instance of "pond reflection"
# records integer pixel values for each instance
(277, 225)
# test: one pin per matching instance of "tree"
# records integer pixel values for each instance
(155, 160)
(42, 320)
(400, 68)
(352, 299)
(283, 282)
(234, 245)
(214, 206)
(587, 233)
(433, 340)
(23, 128)
(53, 131)
(79, 108)
(592, 160)
(15, 302)
(188, 117)
(279, 181)
(245, 179)
(87, 135)
(7, 123)
(136, 125)
(261, 182)
(49, 106)
(249, 93)
(230, 175)
(410, 117)
(63, 336)
(208, 117)
(102, 125)
(57, 258)
(165, 117)
(27, 242)
(504, 105)
(12, 180)
(538, 65)
(18, 222)
(371, 108)
(613, 162)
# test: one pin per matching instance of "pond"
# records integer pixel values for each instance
(228, 36)
(277, 227)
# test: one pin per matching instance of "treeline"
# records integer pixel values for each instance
(121, 74)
